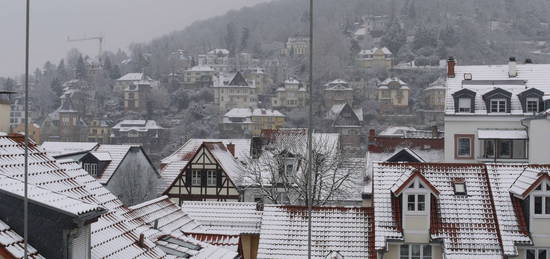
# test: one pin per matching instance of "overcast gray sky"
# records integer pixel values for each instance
(121, 22)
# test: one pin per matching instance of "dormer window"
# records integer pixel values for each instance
(541, 199)
(464, 105)
(497, 101)
(464, 100)
(532, 104)
(416, 197)
(91, 168)
(498, 105)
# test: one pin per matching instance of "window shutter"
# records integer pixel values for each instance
(188, 177)
(203, 178)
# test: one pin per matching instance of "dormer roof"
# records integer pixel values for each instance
(407, 178)
(528, 181)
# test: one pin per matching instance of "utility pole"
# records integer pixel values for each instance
(26, 166)
(310, 133)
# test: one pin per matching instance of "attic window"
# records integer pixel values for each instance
(459, 186)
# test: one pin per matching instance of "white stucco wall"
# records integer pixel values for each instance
(469, 125)
(539, 133)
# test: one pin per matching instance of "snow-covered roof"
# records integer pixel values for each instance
(112, 236)
(465, 223)
(169, 173)
(219, 52)
(527, 181)
(136, 125)
(102, 156)
(250, 112)
(502, 134)
(202, 68)
(57, 149)
(242, 149)
(438, 84)
(117, 154)
(396, 131)
(292, 81)
(230, 242)
(336, 109)
(384, 50)
(13, 243)
(391, 80)
(134, 77)
(47, 198)
(486, 78)
(233, 80)
(225, 217)
(226, 160)
(338, 85)
(348, 230)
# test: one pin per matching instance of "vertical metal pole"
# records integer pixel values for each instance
(310, 133)
(26, 167)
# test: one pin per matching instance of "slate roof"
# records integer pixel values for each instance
(242, 149)
(481, 223)
(346, 229)
(117, 154)
(225, 217)
(57, 149)
(486, 78)
(136, 125)
(13, 243)
(134, 77)
(336, 109)
(338, 84)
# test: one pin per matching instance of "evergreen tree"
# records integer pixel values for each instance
(231, 38)
(395, 37)
(245, 36)
(81, 71)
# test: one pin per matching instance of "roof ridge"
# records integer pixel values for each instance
(147, 203)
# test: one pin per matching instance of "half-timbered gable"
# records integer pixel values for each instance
(212, 174)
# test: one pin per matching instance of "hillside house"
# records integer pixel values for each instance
(376, 57)
(198, 76)
(64, 124)
(291, 95)
(144, 132)
(296, 46)
(217, 59)
(234, 91)
(260, 78)
(130, 78)
(347, 122)
(393, 95)
(249, 121)
(496, 113)
(136, 96)
(337, 92)
(99, 130)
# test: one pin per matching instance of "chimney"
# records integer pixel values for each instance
(512, 67)
(231, 148)
(141, 241)
(451, 67)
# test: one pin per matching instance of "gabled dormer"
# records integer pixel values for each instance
(531, 100)
(464, 101)
(498, 101)
(95, 163)
(532, 189)
(416, 195)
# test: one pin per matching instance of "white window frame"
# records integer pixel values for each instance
(531, 100)
(410, 256)
(211, 178)
(195, 177)
(544, 193)
(500, 105)
(537, 250)
(416, 189)
(462, 107)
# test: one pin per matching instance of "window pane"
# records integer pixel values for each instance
(547, 209)
(530, 254)
(415, 251)
(464, 147)
(410, 202)
(505, 149)
(464, 104)
(405, 251)
(519, 149)
(538, 205)
(427, 251)
(489, 148)
(542, 253)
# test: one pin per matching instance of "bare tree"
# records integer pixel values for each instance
(279, 172)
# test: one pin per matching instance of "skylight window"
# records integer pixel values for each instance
(459, 186)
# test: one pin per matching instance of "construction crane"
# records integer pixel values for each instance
(99, 38)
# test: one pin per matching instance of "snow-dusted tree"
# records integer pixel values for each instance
(279, 170)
